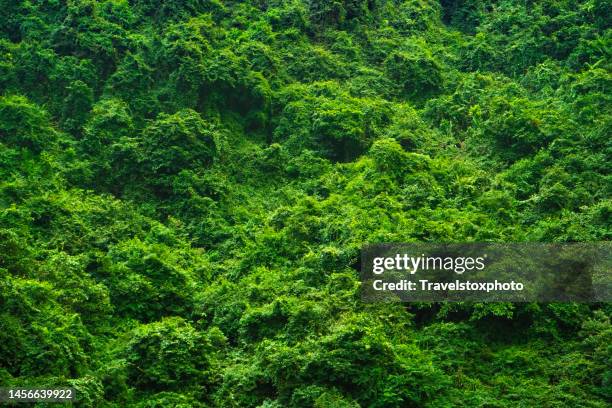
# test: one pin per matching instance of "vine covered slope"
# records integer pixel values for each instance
(185, 187)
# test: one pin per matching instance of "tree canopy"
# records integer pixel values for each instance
(185, 187)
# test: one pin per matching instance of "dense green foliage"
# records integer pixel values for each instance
(185, 186)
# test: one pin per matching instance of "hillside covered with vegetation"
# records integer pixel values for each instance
(185, 187)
